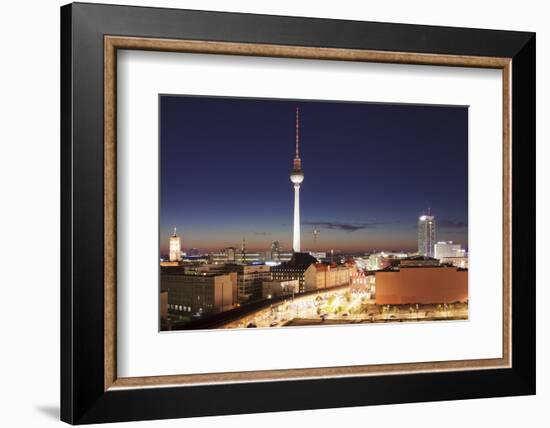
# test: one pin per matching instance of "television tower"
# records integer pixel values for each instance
(297, 176)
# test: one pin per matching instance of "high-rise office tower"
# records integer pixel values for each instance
(426, 235)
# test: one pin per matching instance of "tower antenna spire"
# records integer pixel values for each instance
(297, 132)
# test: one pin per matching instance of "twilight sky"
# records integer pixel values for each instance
(370, 170)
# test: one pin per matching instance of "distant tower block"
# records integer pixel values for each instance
(297, 176)
(426, 235)
(315, 234)
(243, 251)
(175, 247)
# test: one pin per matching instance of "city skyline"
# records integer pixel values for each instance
(373, 169)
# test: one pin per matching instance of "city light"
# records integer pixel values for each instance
(285, 282)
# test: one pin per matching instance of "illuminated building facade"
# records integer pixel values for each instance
(197, 293)
(378, 261)
(175, 247)
(294, 269)
(448, 249)
(227, 255)
(323, 275)
(193, 252)
(233, 255)
(319, 255)
(247, 257)
(363, 282)
(426, 235)
(461, 262)
(273, 289)
(275, 251)
(249, 281)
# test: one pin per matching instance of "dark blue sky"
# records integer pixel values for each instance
(370, 171)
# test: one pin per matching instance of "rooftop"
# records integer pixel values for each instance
(298, 261)
(180, 271)
(420, 258)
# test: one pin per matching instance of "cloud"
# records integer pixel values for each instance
(452, 224)
(345, 227)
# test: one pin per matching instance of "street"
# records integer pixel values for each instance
(345, 306)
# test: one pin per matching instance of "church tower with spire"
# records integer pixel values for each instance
(297, 177)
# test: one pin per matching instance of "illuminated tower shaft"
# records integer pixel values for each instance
(296, 234)
(297, 176)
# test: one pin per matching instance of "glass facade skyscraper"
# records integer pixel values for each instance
(426, 235)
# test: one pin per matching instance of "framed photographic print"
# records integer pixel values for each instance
(276, 213)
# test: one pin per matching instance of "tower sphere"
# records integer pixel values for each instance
(297, 177)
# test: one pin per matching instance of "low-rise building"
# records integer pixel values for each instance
(314, 277)
(232, 255)
(424, 284)
(363, 282)
(197, 293)
(275, 255)
(250, 279)
(444, 249)
(418, 261)
(382, 260)
(295, 268)
(227, 255)
(285, 257)
(272, 289)
(319, 255)
(324, 275)
(460, 262)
